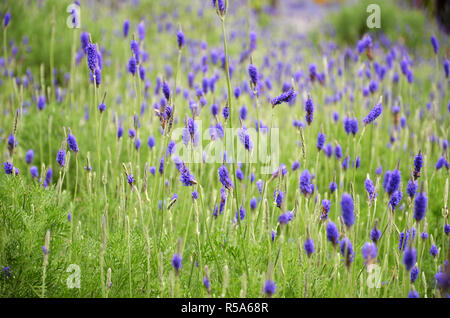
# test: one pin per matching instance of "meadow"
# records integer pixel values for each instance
(182, 149)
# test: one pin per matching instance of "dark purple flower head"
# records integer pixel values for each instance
(34, 172)
(375, 234)
(393, 181)
(441, 162)
(447, 229)
(126, 28)
(347, 251)
(285, 97)
(187, 178)
(8, 167)
(224, 178)
(6, 19)
(338, 151)
(176, 262)
(166, 90)
(409, 258)
(244, 137)
(132, 65)
(435, 44)
(92, 56)
(61, 158)
(72, 143)
(413, 294)
(285, 218)
(279, 196)
(326, 205)
(130, 179)
(418, 163)
(351, 126)
(369, 252)
(295, 165)
(309, 246)
(309, 109)
(305, 183)
(420, 206)
(253, 203)
(320, 141)
(434, 250)
(41, 102)
(243, 112)
(220, 6)
(226, 112)
(348, 214)
(131, 133)
(180, 39)
(332, 233)
(270, 288)
(332, 186)
(253, 73)
(370, 188)
(395, 199)
(12, 142)
(411, 188)
(374, 113)
(446, 65)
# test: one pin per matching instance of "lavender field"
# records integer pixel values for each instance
(223, 149)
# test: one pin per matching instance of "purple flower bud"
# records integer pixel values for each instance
(347, 210)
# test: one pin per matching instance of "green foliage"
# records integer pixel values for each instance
(398, 23)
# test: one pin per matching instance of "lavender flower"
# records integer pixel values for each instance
(177, 262)
(41, 102)
(326, 205)
(305, 183)
(285, 97)
(393, 181)
(180, 39)
(34, 172)
(92, 56)
(224, 177)
(309, 108)
(6, 19)
(347, 210)
(411, 188)
(434, 250)
(413, 294)
(332, 233)
(420, 206)
(373, 114)
(370, 188)
(270, 288)
(309, 246)
(375, 234)
(369, 252)
(441, 162)
(126, 28)
(395, 199)
(409, 258)
(347, 250)
(418, 162)
(8, 167)
(320, 141)
(72, 143)
(253, 73)
(285, 218)
(61, 158)
(435, 44)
